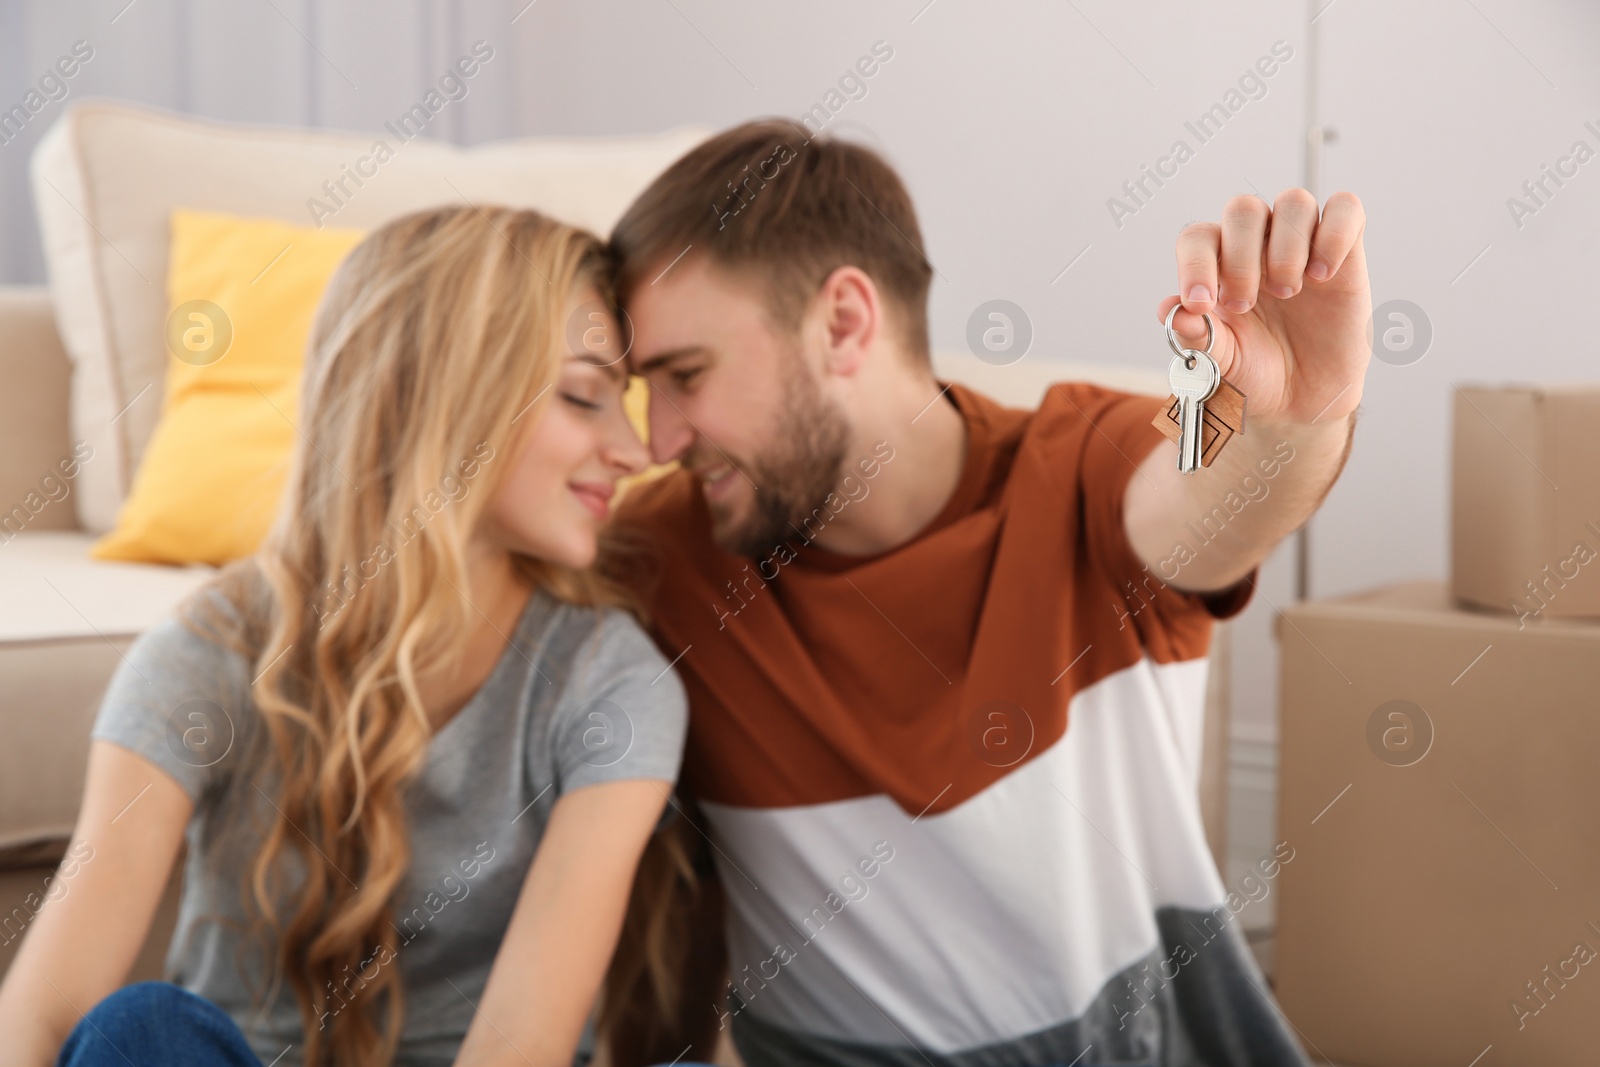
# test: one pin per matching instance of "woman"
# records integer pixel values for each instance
(414, 746)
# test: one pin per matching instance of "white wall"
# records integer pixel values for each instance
(1013, 124)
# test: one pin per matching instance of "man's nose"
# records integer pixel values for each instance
(670, 433)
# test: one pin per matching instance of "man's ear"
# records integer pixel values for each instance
(851, 319)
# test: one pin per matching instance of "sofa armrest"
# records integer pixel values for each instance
(35, 421)
(1022, 384)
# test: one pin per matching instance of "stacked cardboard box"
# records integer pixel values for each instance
(1439, 771)
(1525, 501)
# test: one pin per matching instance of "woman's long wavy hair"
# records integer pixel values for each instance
(437, 335)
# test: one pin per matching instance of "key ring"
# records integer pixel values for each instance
(1172, 338)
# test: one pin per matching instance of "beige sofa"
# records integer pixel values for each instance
(82, 362)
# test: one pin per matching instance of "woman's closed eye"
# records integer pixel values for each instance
(581, 402)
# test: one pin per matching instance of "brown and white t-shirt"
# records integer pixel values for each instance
(953, 785)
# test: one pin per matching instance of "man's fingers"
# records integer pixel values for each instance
(1190, 326)
(1254, 248)
(1294, 218)
(1244, 232)
(1343, 219)
(1198, 246)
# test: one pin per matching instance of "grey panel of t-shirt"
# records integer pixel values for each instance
(580, 696)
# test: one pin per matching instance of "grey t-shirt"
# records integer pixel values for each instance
(580, 696)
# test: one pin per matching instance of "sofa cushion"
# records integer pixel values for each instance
(107, 175)
(54, 591)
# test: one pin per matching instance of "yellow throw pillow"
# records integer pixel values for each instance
(636, 402)
(242, 294)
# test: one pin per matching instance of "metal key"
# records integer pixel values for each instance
(1193, 377)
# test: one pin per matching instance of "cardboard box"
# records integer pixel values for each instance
(1525, 500)
(1438, 782)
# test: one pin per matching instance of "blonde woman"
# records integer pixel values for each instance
(415, 745)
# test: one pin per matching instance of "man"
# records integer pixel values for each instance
(945, 659)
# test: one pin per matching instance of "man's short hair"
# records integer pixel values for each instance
(767, 200)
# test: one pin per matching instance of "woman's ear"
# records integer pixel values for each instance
(851, 319)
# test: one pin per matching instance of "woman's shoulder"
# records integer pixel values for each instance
(618, 634)
(199, 639)
(622, 712)
(180, 695)
(594, 640)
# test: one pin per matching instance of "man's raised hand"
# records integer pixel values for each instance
(1294, 308)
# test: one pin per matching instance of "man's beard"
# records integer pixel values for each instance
(794, 475)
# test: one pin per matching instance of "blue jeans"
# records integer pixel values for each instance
(158, 1024)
